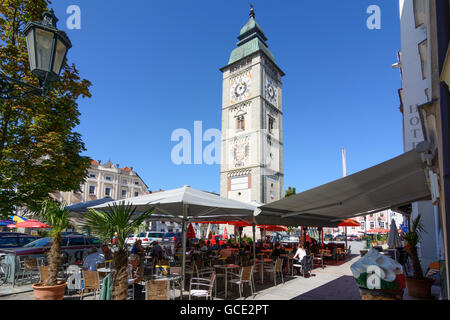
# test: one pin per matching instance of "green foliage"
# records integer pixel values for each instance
(116, 219)
(39, 149)
(413, 236)
(56, 215)
(289, 192)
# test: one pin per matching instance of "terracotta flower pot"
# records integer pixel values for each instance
(42, 292)
(419, 288)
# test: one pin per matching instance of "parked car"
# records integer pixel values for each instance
(146, 238)
(74, 247)
(10, 240)
(290, 240)
(339, 237)
(171, 239)
(354, 237)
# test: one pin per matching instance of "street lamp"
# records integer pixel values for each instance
(47, 48)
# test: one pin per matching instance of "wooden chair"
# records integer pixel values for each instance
(208, 284)
(44, 271)
(277, 268)
(318, 259)
(156, 290)
(91, 282)
(245, 276)
(32, 268)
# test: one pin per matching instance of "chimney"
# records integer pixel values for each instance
(99, 161)
(131, 168)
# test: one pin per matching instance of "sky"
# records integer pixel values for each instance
(155, 65)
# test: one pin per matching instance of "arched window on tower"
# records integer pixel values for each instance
(240, 122)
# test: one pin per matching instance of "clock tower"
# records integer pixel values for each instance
(252, 140)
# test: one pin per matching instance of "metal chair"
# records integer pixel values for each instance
(277, 268)
(208, 284)
(319, 259)
(245, 276)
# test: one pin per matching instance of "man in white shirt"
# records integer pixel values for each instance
(94, 258)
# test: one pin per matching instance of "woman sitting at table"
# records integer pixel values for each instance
(134, 276)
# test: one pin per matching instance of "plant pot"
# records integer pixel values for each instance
(419, 288)
(375, 294)
(42, 292)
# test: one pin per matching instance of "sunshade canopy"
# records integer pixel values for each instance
(349, 223)
(390, 184)
(198, 204)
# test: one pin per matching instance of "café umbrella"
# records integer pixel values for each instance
(348, 223)
(32, 224)
(394, 240)
(190, 234)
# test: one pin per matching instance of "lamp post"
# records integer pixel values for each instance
(47, 48)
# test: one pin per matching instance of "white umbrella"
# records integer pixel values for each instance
(394, 240)
(187, 204)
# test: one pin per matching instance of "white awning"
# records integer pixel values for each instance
(390, 184)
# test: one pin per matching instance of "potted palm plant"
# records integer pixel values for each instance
(418, 285)
(57, 216)
(121, 221)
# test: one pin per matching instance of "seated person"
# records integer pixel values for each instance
(92, 259)
(107, 252)
(157, 251)
(300, 253)
(134, 276)
(276, 252)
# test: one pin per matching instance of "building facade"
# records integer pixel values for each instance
(103, 181)
(424, 100)
(252, 141)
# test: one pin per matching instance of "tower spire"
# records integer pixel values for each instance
(252, 11)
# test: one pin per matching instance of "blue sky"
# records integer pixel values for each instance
(155, 65)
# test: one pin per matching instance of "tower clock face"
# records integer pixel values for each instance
(240, 88)
(271, 91)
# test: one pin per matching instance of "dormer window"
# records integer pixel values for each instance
(240, 122)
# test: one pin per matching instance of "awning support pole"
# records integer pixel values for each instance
(183, 227)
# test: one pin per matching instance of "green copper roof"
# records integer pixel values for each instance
(252, 39)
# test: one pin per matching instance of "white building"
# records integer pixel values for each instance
(103, 181)
(415, 66)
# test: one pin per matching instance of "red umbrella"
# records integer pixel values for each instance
(348, 223)
(32, 224)
(225, 233)
(11, 226)
(190, 232)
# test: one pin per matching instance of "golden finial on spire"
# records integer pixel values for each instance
(252, 11)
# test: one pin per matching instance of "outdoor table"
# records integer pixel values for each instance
(226, 267)
(262, 262)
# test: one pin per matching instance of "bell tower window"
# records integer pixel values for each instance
(241, 122)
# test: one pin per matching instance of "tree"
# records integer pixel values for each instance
(57, 216)
(39, 149)
(117, 219)
(412, 239)
(289, 192)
